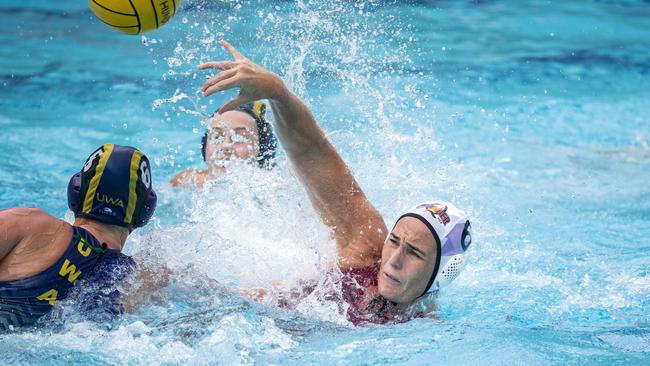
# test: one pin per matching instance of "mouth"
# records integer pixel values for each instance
(392, 279)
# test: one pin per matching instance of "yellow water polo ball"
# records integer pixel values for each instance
(134, 16)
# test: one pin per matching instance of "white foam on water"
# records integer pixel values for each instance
(251, 227)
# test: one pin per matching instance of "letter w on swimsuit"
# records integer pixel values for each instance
(24, 301)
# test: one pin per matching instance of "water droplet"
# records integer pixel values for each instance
(125, 126)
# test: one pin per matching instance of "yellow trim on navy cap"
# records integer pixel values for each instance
(257, 108)
(133, 180)
(94, 182)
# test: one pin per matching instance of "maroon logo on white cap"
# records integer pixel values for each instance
(436, 210)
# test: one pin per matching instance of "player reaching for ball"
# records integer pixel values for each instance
(388, 275)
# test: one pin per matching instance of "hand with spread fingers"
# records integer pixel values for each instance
(254, 82)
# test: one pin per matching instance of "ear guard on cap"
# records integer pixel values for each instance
(74, 193)
(452, 261)
(146, 211)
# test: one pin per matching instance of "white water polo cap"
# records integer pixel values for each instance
(451, 228)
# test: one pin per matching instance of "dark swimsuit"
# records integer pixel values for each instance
(355, 283)
(24, 301)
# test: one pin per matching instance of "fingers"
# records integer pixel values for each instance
(219, 65)
(227, 78)
(232, 104)
(218, 78)
(233, 51)
(220, 86)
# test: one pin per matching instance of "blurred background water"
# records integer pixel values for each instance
(532, 115)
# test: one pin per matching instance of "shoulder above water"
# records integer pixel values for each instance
(190, 178)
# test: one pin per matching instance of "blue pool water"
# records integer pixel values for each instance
(532, 115)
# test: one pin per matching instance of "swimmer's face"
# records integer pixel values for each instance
(232, 136)
(407, 261)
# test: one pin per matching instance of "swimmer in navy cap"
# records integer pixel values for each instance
(397, 270)
(42, 258)
(241, 134)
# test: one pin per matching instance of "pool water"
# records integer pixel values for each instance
(532, 115)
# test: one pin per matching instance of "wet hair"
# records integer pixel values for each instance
(266, 139)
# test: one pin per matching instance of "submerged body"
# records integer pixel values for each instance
(356, 300)
(23, 301)
(30, 288)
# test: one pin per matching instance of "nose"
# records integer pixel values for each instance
(396, 257)
(225, 144)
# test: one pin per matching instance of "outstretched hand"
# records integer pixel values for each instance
(254, 82)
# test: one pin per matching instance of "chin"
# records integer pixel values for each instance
(389, 293)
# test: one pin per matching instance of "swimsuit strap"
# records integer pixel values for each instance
(98, 250)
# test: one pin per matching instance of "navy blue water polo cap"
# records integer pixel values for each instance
(114, 187)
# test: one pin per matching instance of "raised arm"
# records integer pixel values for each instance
(358, 228)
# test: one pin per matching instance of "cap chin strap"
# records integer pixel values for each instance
(438, 248)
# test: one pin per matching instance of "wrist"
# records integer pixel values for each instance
(281, 94)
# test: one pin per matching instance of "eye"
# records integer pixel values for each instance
(412, 252)
(240, 138)
(217, 137)
(394, 241)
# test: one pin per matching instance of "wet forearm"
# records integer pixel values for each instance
(297, 128)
